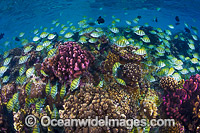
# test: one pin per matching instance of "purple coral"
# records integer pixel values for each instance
(69, 63)
(183, 104)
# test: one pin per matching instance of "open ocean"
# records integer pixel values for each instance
(135, 62)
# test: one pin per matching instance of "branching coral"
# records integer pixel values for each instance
(69, 63)
(182, 104)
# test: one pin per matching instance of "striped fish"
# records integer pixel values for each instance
(68, 35)
(139, 32)
(63, 91)
(28, 49)
(30, 72)
(7, 61)
(75, 83)
(22, 80)
(145, 39)
(6, 79)
(22, 70)
(100, 84)
(114, 30)
(51, 36)
(39, 48)
(10, 105)
(54, 90)
(115, 67)
(120, 81)
(54, 113)
(43, 73)
(23, 59)
(44, 34)
(16, 107)
(35, 39)
(141, 51)
(51, 52)
(15, 97)
(46, 43)
(3, 69)
(28, 88)
(5, 55)
(48, 87)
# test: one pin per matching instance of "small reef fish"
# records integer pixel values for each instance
(100, 20)
(1, 35)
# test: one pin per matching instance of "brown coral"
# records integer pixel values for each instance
(131, 72)
(127, 53)
(7, 92)
(91, 102)
(107, 65)
(148, 105)
(170, 84)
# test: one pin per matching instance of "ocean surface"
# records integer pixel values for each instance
(77, 59)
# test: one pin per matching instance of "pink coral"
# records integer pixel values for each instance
(69, 63)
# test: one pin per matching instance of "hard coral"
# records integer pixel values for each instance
(170, 84)
(131, 72)
(107, 65)
(69, 63)
(148, 105)
(7, 92)
(183, 104)
(127, 53)
(91, 102)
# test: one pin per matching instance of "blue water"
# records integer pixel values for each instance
(26, 15)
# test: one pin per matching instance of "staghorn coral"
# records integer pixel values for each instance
(69, 63)
(91, 102)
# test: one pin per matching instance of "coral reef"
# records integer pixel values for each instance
(93, 101)
(182, 104)
(178, 128)
(170, 84)
(131, 72)
(69, 63)
(7, 92)
(107, 65)
(149, 104)
(127, 53)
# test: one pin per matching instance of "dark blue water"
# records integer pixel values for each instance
(26, 15)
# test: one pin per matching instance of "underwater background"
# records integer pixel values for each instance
(125, 59)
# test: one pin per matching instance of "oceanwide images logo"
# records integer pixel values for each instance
(45, 121)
